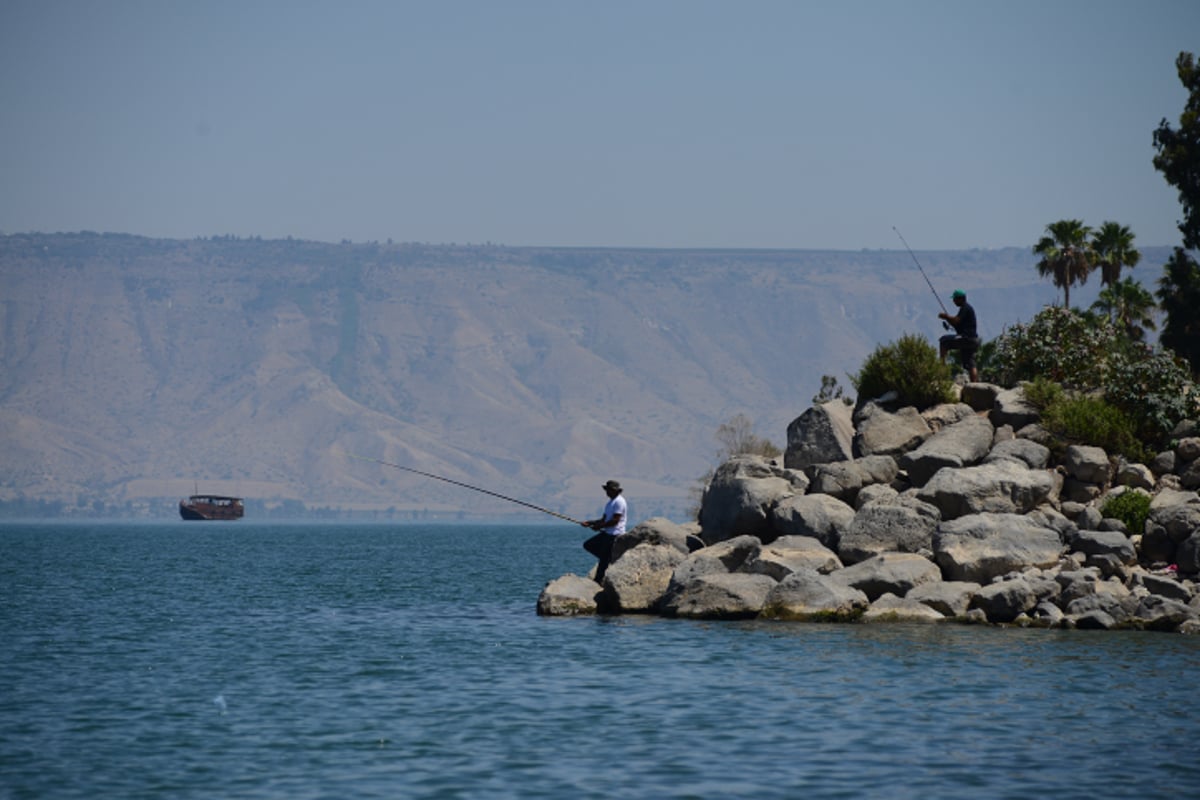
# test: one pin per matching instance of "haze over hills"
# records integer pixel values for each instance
(136, 370)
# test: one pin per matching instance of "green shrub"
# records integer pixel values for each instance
(911, 367)
(1090, 420)
(1058, 344)
(1132, 508)
(1154, 388)
(1042, 393)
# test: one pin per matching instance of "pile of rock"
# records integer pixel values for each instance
(961, 512)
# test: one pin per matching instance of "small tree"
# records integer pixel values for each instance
(737, 438)
(909, 366)
(1113, 246)
(1129, 306)
(1067, 256)
(1178, 159)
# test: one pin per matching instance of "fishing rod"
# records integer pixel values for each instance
(469, 486)
(936, 296)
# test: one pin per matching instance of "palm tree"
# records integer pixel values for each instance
(1067, 257)
(1130, 306)
(1114, 249)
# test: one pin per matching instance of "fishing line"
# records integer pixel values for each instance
(936, 296)
(469, 486)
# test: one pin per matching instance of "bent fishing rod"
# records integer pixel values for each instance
(469, 486)
(936, 296)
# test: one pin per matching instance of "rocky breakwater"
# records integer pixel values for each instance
(959, 513)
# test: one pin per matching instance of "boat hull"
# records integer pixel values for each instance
(211, 507)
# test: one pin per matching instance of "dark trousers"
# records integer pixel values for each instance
(601, 546)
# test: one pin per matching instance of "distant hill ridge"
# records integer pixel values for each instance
(138, 368)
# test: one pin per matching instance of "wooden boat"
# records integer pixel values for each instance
(211, 506)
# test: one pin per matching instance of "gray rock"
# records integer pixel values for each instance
(738, 499)
(1138, 476)
(822, 434)
(810, 596)
(638, 580)
(888, 572)
(1187, 557)
(880, 432)
(962, 444)
(1011, 408)
(1027, 453)
(1077, 583)
(568, 596)
(723, 557)
(719, 596)
(1077, 491)
(946, 414)
(1089, 518)
(950, 598)
(820, 516)
(1173, 497)
(890, 608)
(1087, 464)
(1188, 448)
(1000, 487)
(844, 479)
(875, 493)
(1189, 477)
(905, 527)
(1114, 543)
(1003, 601)
(656, 530)
(980, 547)
(1095, 620)
(980, 396)
(1162, 614)
(789, 554)
(1047, 615)
(1163, 586)
(1163, 463)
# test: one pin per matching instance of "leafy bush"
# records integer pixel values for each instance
(1042, 393)
(1132, 508)
(1153, 388)
(1058, 344)
(911, 367)
(1090, 420)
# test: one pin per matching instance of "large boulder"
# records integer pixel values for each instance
(723, 557)
(1088, 464)
(822, 434)
(896, 573)
(980, 396)
(789, 554)
(980, 547)
(1168, 527)
(1011, 408)
(890, 608)
(904, 526)
(637, 581)
(719, 596)
(1003, 601)
(739, 498)
(959, 445)
(1003, 487)
(1105, 543)
(1026, 452)
(881, 432)
(812, 597)
(844, 479)
(656, 530)
(820, 516)
(951, 598)
(568, 596)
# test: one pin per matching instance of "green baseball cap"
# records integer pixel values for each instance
(959, 293)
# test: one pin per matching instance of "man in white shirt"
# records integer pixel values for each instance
(610, 526)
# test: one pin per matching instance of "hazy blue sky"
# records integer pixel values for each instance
(652, 123)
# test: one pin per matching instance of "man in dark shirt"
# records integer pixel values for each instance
(965, 338)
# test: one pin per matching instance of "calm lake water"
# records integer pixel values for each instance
(333, 661)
